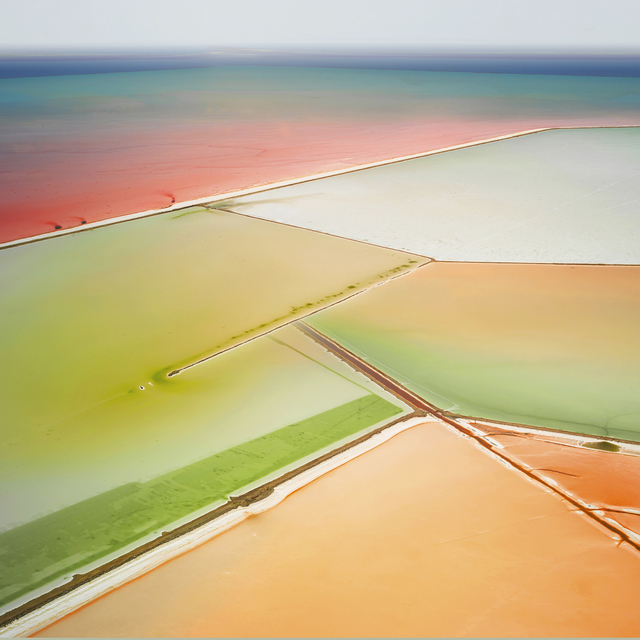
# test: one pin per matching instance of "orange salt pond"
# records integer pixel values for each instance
(425, 535)
(604, 480)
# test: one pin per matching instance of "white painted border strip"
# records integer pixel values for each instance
(69, 602)
(267, 187)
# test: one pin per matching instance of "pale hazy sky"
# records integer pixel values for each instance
(96, 24)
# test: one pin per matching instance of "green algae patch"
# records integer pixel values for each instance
(603, 445)
(40, 551)
(553, 346)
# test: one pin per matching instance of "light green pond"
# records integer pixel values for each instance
(96, 315)
(93, 322)
(36, 553)
(545, 345)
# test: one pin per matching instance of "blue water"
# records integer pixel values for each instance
(56, 64)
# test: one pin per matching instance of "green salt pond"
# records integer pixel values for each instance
(97, 315)
(104, 480)
(93, 322)
(546, 345)
(40, 551)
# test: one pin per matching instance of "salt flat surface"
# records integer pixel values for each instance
(569, 196)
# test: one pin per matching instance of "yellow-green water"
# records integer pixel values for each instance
(40, 551)
(103, 480)
(93, 322)
(98, 319)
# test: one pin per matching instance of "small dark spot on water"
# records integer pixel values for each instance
(602, 445)
(141, 387)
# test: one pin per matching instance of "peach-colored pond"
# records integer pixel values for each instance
(425, 535)
(603, 479)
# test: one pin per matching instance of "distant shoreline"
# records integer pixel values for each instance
(30, 64)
